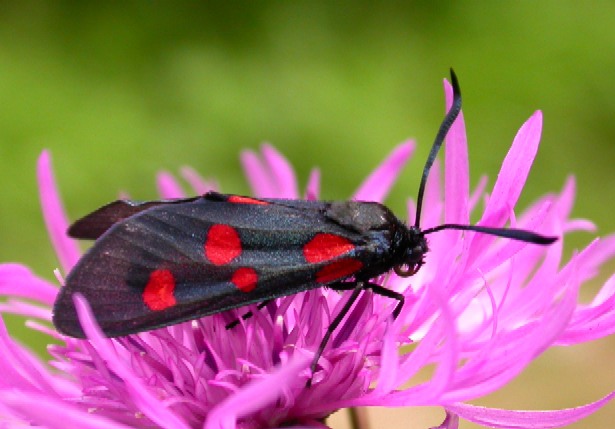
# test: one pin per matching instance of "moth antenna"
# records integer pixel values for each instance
(445, 126)
(437, 144)
(512, 233)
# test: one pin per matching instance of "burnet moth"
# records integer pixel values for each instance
(159, 263)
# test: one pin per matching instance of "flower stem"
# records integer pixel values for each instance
(359, 419)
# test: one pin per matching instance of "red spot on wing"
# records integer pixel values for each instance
(158, 292)
(338, 270)
(222, 244)
(324, 247)
(245, 279)
(245, 200)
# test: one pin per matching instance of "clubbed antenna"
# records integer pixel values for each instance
(437, 144)
(512, 233)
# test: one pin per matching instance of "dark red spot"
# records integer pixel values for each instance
(245, 279)
(158, 293)
(245, 200)
(338, 270)
(324, 247)
(222, 244)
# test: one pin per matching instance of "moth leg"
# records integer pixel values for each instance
(247, 315)
(357, 288)
(343, 286)
(379, 290)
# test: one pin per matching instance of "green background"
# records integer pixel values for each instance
(120, 90)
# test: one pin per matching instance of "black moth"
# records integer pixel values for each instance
(159, 263)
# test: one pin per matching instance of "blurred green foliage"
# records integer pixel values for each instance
(120, 90)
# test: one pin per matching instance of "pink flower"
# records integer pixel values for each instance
(477, 313)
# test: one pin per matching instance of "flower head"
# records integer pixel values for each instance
(477, 313)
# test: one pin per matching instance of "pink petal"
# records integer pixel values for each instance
(140, 394)
(389, 363)
(592, 322)
(46, 411)
(508, 419)
(25, 309)
(197, 182)
(257, 175)
(565, 203)
(432, 200)
(312, 190)
(451, 421)
(54, 215)
(515, 351)
(457, 173)
(607, 291)
(430, 346)
(411, 210)
(272, 177)
(257, 394)
(510, 248)
(597, 319)
(595, 255)
(580, 225)
(168, 186)
(567, 197)
(378, 184)
(18, 281)
(20, 368)
(477, 193)
(449, 352)
(514, 171)
(281, 172)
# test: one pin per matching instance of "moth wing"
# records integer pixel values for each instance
(173, 262)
